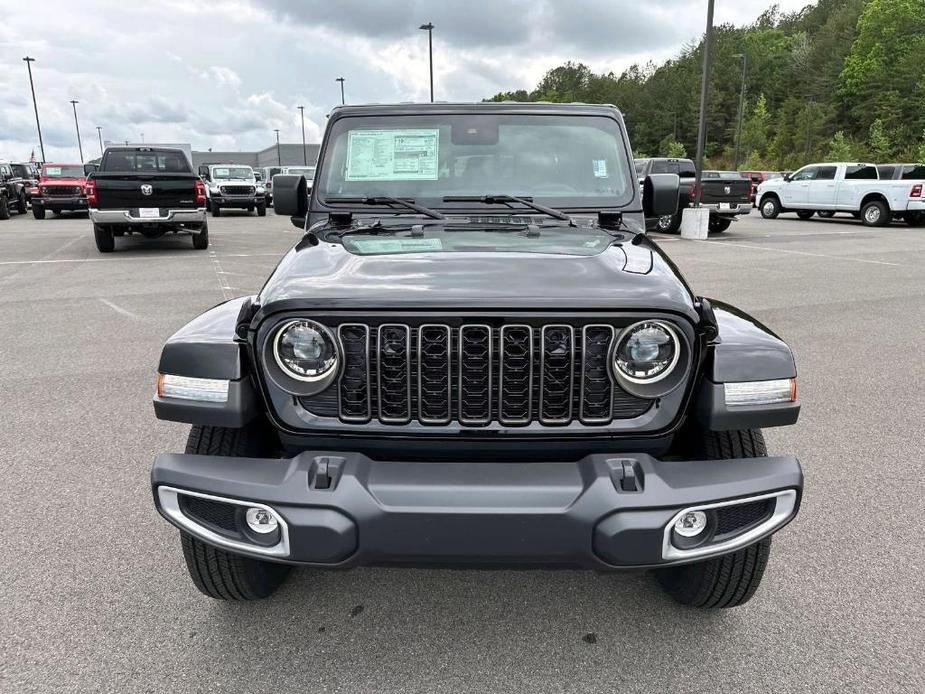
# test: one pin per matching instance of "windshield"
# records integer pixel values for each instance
(221, 172)
(307, 171)
(63, 171)
(563, 161)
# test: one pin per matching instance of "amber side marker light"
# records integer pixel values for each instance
(189, 388)
(750, 393)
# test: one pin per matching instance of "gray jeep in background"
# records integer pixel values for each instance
(233, 186)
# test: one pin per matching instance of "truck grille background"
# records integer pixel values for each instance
(63, 191)
(237, 190)
(475, 374)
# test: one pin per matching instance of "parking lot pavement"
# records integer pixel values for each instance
(94, 595)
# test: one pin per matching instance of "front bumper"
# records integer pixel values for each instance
(239, 202)
(601, 512)
(60, 204)
(131, 216)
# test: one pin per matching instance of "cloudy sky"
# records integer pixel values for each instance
(225, 73)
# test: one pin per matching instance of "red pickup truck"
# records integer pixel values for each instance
(61, 187)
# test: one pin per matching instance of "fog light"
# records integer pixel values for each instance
(690, 524)
(260, 520)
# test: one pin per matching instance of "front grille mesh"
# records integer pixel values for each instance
(735, 518)
(210, 512)
(64, 191)
(477, 374)
(237, 190)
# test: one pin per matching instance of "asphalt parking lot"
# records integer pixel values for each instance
(94, 595)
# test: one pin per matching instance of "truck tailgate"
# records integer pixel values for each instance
(725, 190)
(124, 191)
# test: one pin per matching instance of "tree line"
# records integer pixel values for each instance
(841, 80)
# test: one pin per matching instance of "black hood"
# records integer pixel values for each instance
(623, 276)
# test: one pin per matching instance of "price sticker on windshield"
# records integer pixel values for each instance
(393, 155)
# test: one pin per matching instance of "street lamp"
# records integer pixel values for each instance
(304, 154)
(341, 80)
(429, 28)
(99, 132)
(35, 105)
(704, 91)
(279, 157)
(80, 147)
(735, 161)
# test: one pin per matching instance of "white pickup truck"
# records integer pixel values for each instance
(825, 189)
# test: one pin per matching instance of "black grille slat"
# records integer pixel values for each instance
(735, 518)
(434, 374)
(394, 362)
(596, 386)
(515, 381)
(475, 351)
(476, 374)
(354, 386)
(62, 191)
(557, 354)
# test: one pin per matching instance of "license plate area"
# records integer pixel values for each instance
(149, 212)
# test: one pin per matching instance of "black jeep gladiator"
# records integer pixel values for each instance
(727, 194)
(476, 356)
(13, 191)
(146, 190)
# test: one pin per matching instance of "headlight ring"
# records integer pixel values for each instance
(305, 350)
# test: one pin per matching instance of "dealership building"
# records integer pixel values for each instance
(284, 155)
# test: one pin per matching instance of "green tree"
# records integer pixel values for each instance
(755, 129)
(920, 152)
(669, 147)
(879, 144)
(840, 148)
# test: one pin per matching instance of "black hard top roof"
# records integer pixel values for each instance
(476, 107)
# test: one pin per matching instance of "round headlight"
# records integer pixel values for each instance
(305, 350)
(647, 352)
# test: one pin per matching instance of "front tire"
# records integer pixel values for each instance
(262, 209)
(732, 579)
(4, 208)
(805, 214)
(215, 572)
(770, 207)
(216, 210)
(718, 225)
(21, 205)
(38, 212)
(875, 214)
(669, 223)
(826, 214)
(105, 241)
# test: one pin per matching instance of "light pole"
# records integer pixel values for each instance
(279, 157)
(341, 80)
(735, 161)
(80, 147)
(704, 91)
(304, 154)
(99, 132)
(35, 105)
(429, 28)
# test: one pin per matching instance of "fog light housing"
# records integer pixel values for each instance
(261, 520)
(691, 524)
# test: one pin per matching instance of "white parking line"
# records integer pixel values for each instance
(220, 275)
(121, 311)
(736, 244)
(42, 261)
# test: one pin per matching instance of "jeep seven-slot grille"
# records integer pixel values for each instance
(237, 190)
(476, 374)
(61, 190)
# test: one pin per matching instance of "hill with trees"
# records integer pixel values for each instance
(838, 80)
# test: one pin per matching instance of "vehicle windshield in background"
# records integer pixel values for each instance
(566, 161)
(134, 161)
(232, 172)
(63, 171)
(307, 171)
(913, 172)
(21, 170)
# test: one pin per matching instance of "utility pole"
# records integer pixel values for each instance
(80, 147)
(35, 105)
(279, 157)
(341, 80)
(99, 132)
(304, 153)
(429, 28)
(735, 161)
(704, 92)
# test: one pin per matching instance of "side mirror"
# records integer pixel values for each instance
(787, 178)
(290, 197)
(660, 194)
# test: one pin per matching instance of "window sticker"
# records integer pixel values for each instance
(52, 170)
(220, 173)
(396, 245)
(600, 168)
(392, 155)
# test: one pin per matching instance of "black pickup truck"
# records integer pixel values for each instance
(726, 193)
(149, 191)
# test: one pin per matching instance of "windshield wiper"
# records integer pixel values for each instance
(389, 201)
(505, 199)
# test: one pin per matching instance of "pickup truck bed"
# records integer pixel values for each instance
(149, 191)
